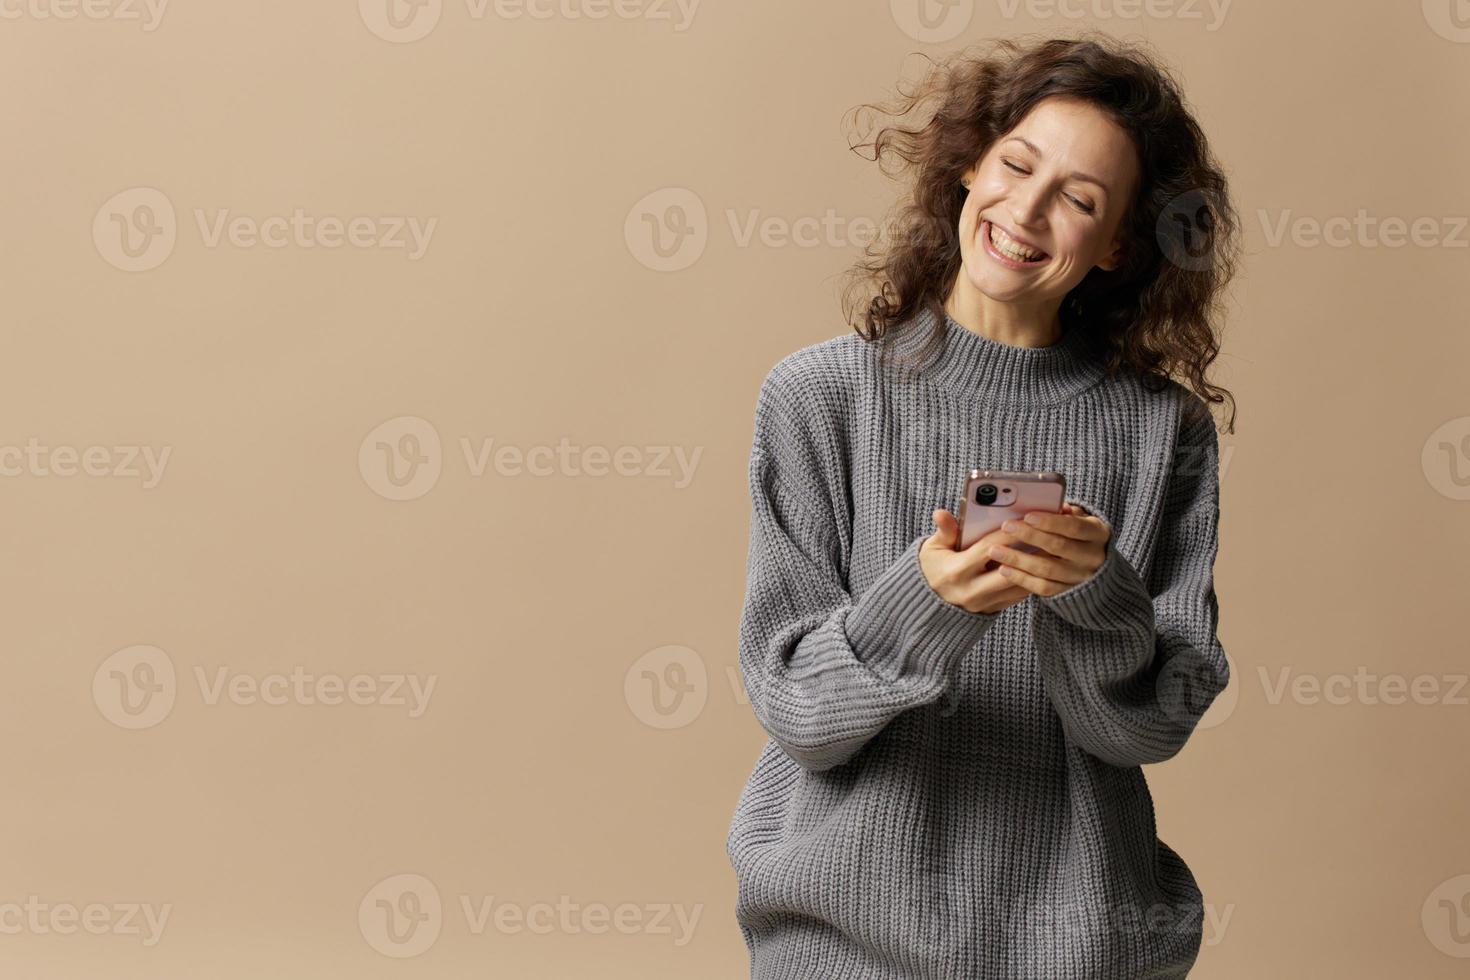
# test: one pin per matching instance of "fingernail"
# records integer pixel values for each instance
(1032, 519)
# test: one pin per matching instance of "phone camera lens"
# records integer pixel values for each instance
(985, 494)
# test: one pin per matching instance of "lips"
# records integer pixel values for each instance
(990, 245)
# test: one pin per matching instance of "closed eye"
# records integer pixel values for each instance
(1082, 206)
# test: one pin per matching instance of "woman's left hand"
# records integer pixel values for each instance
(1073, 545)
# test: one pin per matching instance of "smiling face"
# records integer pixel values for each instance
(1046, 205)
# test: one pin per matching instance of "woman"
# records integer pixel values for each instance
(952, 784)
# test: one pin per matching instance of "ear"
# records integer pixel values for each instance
(1114, 257)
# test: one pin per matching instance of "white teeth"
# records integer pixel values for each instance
(1007, 246)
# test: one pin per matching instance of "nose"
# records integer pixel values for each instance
(1025, 205)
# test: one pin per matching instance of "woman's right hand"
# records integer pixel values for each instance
(960, 577)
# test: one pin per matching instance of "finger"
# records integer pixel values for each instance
(1069, 525)
(1056, 544)
(1007, 587)
(978, 557)
(1012, 594)
(947, 528)
(993, 587)
(1000, 536)
(980, 550)
(1042, 565)
(1034, 584)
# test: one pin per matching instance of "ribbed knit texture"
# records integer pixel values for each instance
(948, 794)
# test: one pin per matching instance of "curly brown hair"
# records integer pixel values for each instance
(1156, 313)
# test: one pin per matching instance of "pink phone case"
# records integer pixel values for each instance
(993, 497)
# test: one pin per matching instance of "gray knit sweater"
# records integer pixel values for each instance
(951, 794)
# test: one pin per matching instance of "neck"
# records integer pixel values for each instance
(981, 369)
(1017, 324)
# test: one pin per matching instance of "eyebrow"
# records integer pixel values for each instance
(1076, 173)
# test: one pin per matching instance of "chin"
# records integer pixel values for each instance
(984, 282)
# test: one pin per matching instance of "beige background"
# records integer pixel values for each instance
(1328, 837)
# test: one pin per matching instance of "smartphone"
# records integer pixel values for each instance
(992, 497)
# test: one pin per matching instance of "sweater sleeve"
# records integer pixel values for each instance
(1131, 666)
(825, 671)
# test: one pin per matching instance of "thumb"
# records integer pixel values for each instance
(947, 529)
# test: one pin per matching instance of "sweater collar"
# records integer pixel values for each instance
(989, 370)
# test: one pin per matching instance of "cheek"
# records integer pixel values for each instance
(991, 180)
(1080, 243)
(969, 221)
